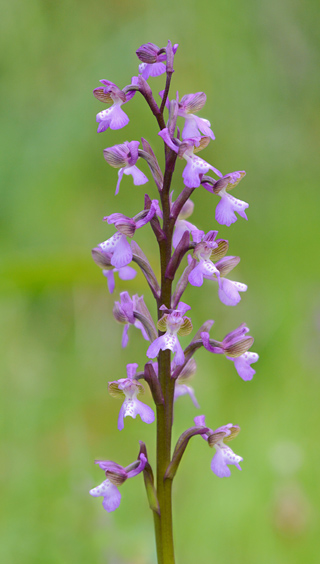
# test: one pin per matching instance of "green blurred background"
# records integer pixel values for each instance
(258, 63)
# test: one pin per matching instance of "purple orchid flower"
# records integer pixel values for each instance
(196, 167)
(117, 249)
(193, 124)
(235, 346)
(113, 117)
(124, 313)
(181, 225)
(224, 456)
(205, 267)
(228, 205)
(152, 59)
(231, 343)
(130, 388)
(173, 323)
(116, 476)
(125, 273)
(124, 157)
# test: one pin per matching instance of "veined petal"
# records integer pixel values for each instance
(122, 254)
(137, 175)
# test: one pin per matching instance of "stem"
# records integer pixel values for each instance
(165, 411)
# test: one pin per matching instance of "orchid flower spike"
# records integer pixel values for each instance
(124, 313)
(193, 125)
(116, 476)
(116, 251)
(224, 456)
(196, 167)
(124, 157)
(128, 388)
(228, 205)
(181, 225)
(152, 59)
(173, 323)
(114, 117)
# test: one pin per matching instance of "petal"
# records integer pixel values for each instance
(110, 245)
(183, 308)
(125, 338)
(145, 412)
(138, 176)
(200, 421)
(242, 365)
(155, 347)
(191, 173)
(229, 291)
(183, 389)
(120, 175)
(121, 417)
(196, 276)
(131, 370)
(164, 133)
(118, 118)
(122, 255)
(204, 126)
(142, 462)
(140, 326)
(226, 207)
(110, 279)
(179, 230)
(219, 466)
(127, 273)
(190, 129)
(112, 500)
(179, 358)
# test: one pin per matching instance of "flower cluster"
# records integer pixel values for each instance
(168, 366)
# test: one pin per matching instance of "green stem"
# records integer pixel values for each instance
(165, 411)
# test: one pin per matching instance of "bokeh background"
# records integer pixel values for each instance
(258, 63)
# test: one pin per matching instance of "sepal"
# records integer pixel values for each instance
(186, 327)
